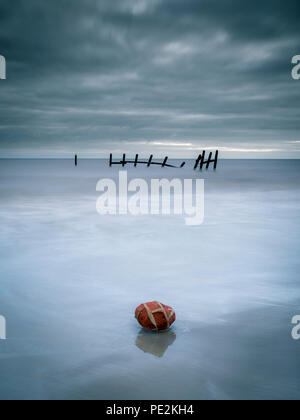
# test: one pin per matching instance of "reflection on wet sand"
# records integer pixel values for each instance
(155, 343)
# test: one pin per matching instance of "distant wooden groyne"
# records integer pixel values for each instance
(200, 162)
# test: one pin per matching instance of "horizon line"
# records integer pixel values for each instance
(107, 158)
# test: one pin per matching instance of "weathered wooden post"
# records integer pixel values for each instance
(165, 162)
(136, 160)
(216, 159)
(150, 161)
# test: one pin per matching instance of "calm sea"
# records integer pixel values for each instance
(70, 280)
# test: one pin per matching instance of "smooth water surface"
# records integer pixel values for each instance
(70, 281)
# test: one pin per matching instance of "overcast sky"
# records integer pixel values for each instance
(162, 76)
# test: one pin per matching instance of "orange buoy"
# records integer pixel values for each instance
(155, 316)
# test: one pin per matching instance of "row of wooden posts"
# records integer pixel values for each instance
(199, 163)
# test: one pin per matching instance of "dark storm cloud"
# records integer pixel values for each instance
(139, 75)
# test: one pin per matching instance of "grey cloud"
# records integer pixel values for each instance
(126, 73)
